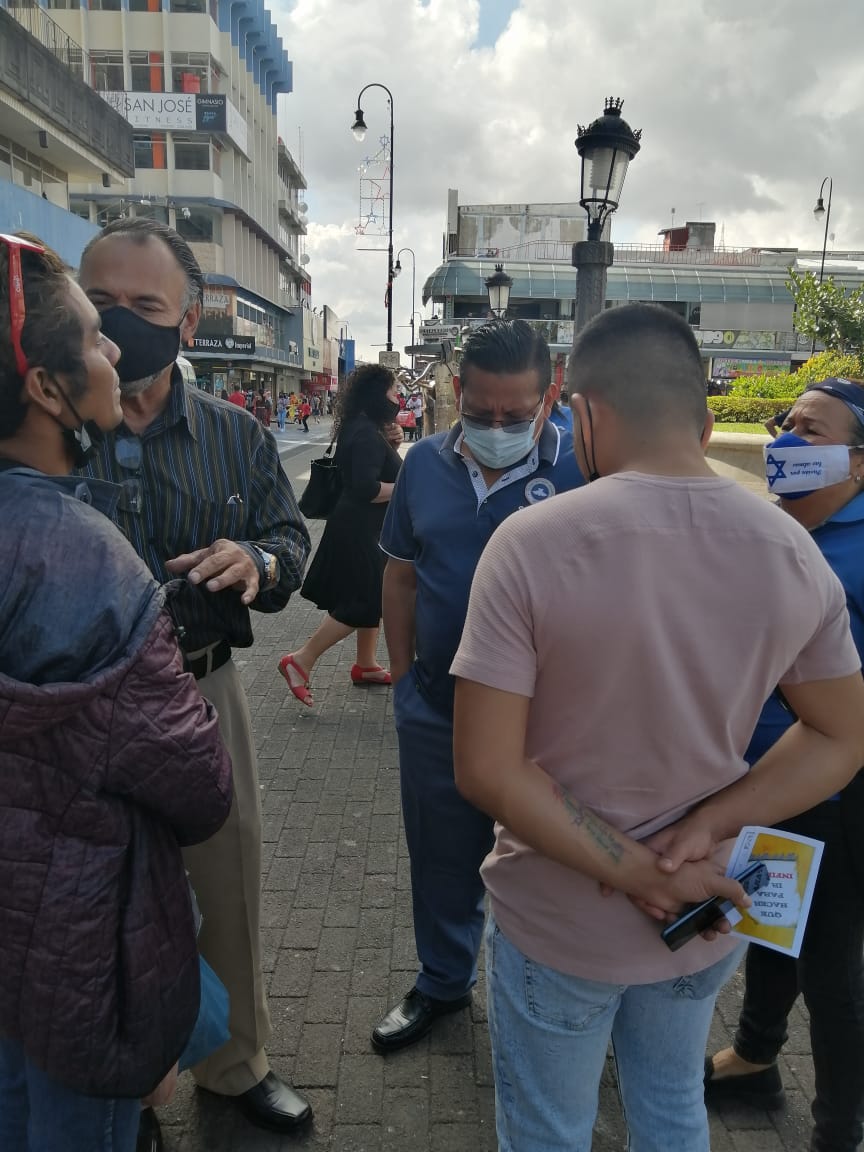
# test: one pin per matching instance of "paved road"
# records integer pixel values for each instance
(338, 943)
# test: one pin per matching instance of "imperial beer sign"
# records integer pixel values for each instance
(229, 345)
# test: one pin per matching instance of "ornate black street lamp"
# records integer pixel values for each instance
(498, 286)
(359, 130)
(606, 148)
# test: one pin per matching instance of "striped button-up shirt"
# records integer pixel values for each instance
(208, 471)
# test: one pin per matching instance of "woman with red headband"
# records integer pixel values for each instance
(109, 757)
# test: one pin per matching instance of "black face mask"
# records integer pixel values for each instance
(81, 441)
(145, 348)
(391, 410)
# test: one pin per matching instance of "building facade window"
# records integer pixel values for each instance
(104, 5)
(150, 150)
(62, 4)
(145, 5)
(147, 71)
(191, 153)
(188, 5)
(106, 71)
(201, 226)
(193, 72)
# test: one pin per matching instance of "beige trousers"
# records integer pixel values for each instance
(226, 875)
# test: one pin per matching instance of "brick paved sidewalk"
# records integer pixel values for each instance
(339, 947)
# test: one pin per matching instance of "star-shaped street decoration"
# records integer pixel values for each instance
(780, 473)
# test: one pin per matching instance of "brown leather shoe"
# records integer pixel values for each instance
(412, 1018)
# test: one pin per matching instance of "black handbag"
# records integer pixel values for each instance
(324, 487)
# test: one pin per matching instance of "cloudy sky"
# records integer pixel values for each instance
(744, 107)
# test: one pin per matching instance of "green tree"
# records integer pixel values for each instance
(829, 314)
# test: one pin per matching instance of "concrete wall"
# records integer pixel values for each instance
(738, 456)
(66, 233)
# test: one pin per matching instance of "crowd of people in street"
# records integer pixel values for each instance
(291, 408)
(605, 661)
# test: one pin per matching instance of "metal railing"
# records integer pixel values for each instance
(560, 252)
(41, 27)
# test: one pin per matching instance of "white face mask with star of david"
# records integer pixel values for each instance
(795, 468)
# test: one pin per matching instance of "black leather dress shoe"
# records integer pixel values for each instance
(149, 1132)
(763, 1089)
(412, 1018)
(274, 1105)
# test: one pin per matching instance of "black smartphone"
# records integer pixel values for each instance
(701, 916)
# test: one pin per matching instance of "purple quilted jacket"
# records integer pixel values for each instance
(109, 761)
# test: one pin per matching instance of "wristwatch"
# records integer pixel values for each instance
(270, 568)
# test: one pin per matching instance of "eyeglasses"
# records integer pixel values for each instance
(129, 454)
(17, 311)
(520, 425)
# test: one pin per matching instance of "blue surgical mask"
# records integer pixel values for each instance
(500, 447)
(795, 468)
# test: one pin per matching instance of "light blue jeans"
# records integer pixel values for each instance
(550, 1034)
(37, 1114)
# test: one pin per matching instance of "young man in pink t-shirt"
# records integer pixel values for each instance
(619, 645)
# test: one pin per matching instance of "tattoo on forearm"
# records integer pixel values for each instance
(600, 832)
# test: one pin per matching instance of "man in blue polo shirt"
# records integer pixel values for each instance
(454, 489)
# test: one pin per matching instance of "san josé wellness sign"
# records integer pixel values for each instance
(181, 112)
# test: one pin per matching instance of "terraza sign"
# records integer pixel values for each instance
(233, 345)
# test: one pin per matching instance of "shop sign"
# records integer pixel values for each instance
(216, 301)
(233, 345)
(181, 111)
(731, 369)
(735, 338)
(389, 360)
(439, 331)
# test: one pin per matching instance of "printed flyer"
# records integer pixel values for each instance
(778, 915)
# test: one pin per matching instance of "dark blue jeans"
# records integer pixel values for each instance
(829, 974)
(448, 839)
(39, 1115)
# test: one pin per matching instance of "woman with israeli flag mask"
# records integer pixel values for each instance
(816, 469)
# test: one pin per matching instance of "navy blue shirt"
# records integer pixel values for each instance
(841, 542)
(440, 519)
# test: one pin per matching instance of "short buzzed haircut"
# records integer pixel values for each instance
(643, 362)
(507, 347)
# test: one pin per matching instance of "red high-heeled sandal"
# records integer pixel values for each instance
(301, 691)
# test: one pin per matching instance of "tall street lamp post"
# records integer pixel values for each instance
(397, 268)
(359, 130)
(498, 286)
(606, 148)
(819, 211)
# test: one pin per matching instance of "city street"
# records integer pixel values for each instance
(338, 941)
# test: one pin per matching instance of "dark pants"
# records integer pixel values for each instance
(448, 840)
(305, 420)
(829, 974)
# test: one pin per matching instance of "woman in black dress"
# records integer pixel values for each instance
(344, 578)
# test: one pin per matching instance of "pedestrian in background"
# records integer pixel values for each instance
(109, 757)
(238, 542)
(281, 411)
(455, 489)
(666, 572)
(305, 412)
(344, 578)
(828, 418)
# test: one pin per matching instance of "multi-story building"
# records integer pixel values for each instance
(199, 81)
(736, 299)
(54, 130)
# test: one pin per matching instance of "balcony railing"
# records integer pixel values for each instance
(560, 252)
(50, 35)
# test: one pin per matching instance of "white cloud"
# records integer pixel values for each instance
(744, 108)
